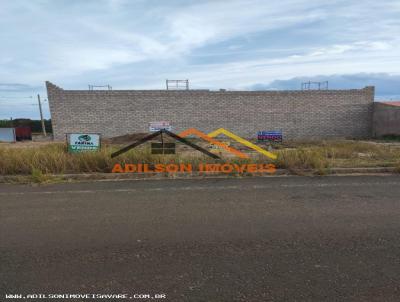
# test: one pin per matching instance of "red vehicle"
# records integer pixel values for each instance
(23, 133)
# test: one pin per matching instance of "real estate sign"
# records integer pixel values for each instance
(157, 126)
(81, 142)
(270, 136)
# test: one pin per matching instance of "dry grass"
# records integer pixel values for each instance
(303, 159)
(326, 154)
(398, 168)
(319, 157)
(54, 159)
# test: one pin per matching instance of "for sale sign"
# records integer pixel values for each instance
(81, 142)
(271, 136)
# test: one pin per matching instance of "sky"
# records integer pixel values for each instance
(231, 44)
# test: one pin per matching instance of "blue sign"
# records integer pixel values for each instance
(272, 136)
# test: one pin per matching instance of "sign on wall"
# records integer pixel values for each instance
(81, 142)
(270, 136)
(7, 135)
(161, 125)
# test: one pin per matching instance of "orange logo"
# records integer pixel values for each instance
(210, 138)
(202, 167)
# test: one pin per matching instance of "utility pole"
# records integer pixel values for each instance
(41, 116)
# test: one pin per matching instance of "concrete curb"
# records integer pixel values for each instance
(363, 170)
(197, 175)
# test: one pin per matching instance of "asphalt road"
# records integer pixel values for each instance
(253, 239)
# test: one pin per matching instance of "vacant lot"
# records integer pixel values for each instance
(52, 158)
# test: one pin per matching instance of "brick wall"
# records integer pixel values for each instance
(386, 119)
(299, 114)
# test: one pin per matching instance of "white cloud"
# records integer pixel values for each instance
(70, 42)
(362, 56)
(214, 43)
(83, 59)
(215, 21)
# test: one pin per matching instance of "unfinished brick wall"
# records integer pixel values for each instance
(386, 119)
(298, 114)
